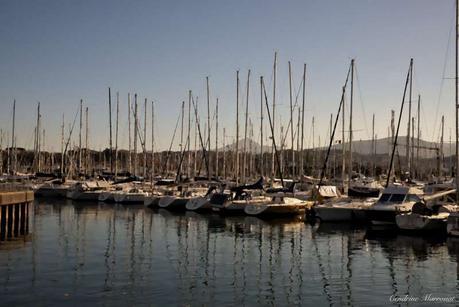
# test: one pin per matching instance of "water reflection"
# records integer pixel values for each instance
(98, 253)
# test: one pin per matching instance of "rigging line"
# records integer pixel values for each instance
(290, 120)
(359, 89)
(442, 80)
(170, 146)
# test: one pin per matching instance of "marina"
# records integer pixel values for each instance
(213, 165)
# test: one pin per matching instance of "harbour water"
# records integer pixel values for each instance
(80, 253)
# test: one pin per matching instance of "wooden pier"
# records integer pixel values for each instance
(15, 210)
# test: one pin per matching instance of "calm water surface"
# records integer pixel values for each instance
(117, 255)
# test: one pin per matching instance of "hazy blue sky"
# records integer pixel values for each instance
(57, 52)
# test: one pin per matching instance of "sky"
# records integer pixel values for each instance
(58, 52)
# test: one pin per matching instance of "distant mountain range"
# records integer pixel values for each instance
(383, 146)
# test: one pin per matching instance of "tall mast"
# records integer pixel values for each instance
(216, 139)
(291, 117)
(38, 138)
(129, 132)
(62, 145)
(331, 134)
(373, 147)
(145, 140)
(313, 146)
(274, 113)
(188, 136)
(298, 137)
(209, 175)
(195, 139)
(13, 143)
(244, 163)
(442, 153)
(408, 147)
(224, 153)
(181, 132)
(153, 140)
(261, 128)
(79, 137)
(237, 127)
(419, 132)
(135, 134)
(302, 121)
(343, 147)
(110, 123)
(457, 103)
(86, 142)
(116, 132)
(351, 102)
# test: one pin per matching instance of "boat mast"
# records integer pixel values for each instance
(153, 141)
(224, 153)
(351, 102)
(79, 137)
(216, 139)
(145, 140)
(135, 134)
(110, 123)
(62, 146)
(442, 155)
(457, 103)
(291, 117)
(274, 113)
(13, 143)
(261, 129)
(188, 136)
(302, 121)
(343, 147)
(181, 131)
(418, 133)
(244, 161)
(86, 142)
(271, 122)
(394, 147)
(237, 127)
(373, 147)
(209, 175)
(129, 132)
(408, 147)
(116, 132)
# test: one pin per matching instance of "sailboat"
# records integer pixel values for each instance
(234, 201)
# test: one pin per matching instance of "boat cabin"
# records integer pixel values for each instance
(399, 194)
